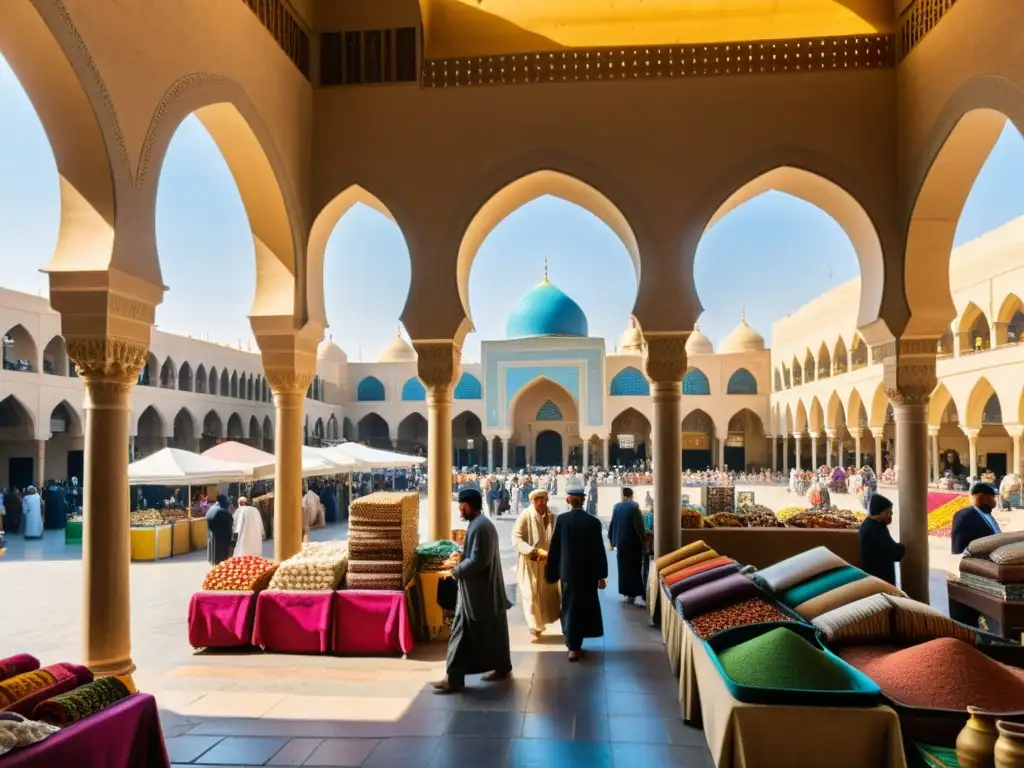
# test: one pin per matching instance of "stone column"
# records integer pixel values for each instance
(876, 432)
(972, 441)
(830, 448)
(289, 364)
(1015, 431)
(605, 443)
(586, 455)
(506, 456)
(106, 318)
(771, 449)
(933, 433)
(131, 448)
(785, 454)
(438, 368)
(665, 364)
(856, 447)
(909, 379)
(41, 464)
(796, 452)
(814, 451)
(490, 452)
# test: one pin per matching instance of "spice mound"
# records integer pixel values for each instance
(782, 659)
(945, 674)
(247, 573)
(751, 611)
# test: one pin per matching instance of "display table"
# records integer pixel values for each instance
(197, 532)
(151, 542)
(126, 735)
(181, 537)
(1009, 613)
(293, 622)
(762, 547)
(371, 622)
(751, 735)
(73, 532)
(221, 619)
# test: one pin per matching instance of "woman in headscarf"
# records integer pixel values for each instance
(219, 525)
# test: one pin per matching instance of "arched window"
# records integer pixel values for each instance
(469, 388)
(370, 390)
(742, 382)
(413, 390)
(696, 383)
(630, 382)
(549, 412)
(778, 380)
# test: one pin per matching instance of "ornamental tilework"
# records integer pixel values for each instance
(468, 388)
(549, 412)
(742, 382)
(370, 390)
(696, 383)
(414, 391)
(630, 382)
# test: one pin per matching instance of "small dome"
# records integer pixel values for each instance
(546, 311)
(742, 339)
(699, 344)
(331, 352)
(631, 342)
(398, 351)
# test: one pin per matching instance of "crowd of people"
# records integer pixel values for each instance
(29, 511)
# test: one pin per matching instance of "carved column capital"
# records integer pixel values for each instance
(665, 356)
(909, 370)
(438, 364)
(288, 354)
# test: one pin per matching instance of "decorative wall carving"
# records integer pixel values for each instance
(288, 32)
(909, 374)
(917, 20)
(182, 86)
(114, 360)
(289, 381)
(668, 61)
(437, 364)
(665, 357)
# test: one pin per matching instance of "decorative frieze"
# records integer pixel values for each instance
(115, 360)
(288, 32)
(665, 357)
(665, 61)
(437, 365)
(909, 373)
(917, 20)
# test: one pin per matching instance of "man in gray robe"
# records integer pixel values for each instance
(479, 641)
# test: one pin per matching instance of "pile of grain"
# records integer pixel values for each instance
(784, 660)
(944, 674)
(751, 611)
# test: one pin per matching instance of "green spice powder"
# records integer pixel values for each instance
(782, 659)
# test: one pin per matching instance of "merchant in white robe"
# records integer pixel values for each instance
(248, 529)
(310, 511)
(542, 602)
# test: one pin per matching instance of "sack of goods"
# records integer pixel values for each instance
(320, 566)
(247, 573)
(383, 534)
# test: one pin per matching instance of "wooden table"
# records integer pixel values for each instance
(1009, 613)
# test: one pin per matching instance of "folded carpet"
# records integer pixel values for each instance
(83, 701)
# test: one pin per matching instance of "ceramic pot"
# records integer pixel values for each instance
(1009, 750)
(976, 743)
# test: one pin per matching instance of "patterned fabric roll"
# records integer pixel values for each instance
(27, 683)
(80, 703)
(17, 665)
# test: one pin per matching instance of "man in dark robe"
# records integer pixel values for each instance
(56, 506)
(879, 553)
(479, 640)
(12, 513)
(969, 524)
(330, 502)
(219, 524)
(577, 559)
(626, 538)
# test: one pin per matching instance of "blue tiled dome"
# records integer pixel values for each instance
(546, 311)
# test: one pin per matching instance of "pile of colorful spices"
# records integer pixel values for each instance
(782, 659)
(943, 674)
(751, 611)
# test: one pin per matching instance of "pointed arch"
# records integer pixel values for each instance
(186, 430)
(201, 379)
(695, 382)
(20, 350)
(149, 376)
(786, 376)
(1008, 308)
(55, 357)
(879, 406)
(73, 421)
(809, 367)
(840, 362)
(235, 430)
(937, 404)
(213, 382)
(370, 390)
(374, 431)
(801, 417)
(569, 406)
(798, 372)
(977, 401)
(824, 362)
(549, 411)
(268, 429)
(835, 415)
(742, 382)
(185, 377)
(225, 383)
(816, 416)
(234, 384)
(778, 380)
(790, 426)
(629, 382)
(412, 391)
(858, 353)
(469, 388)
(213, 426)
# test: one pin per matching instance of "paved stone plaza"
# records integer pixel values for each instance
(618, 708)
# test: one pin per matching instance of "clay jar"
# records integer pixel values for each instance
(1009, 750)
(976, 743)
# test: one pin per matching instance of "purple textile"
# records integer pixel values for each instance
(221, 619)
(371, 622)
(125, 735)
(685, 585)
(293, 622)
(17, 664)
(716, 594)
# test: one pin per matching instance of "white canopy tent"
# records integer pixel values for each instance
(172, 466)
(370, 458)
(261, 464)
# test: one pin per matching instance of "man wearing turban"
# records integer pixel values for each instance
(531, 537)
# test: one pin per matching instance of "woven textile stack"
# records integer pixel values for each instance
(994, 565)
(383, 531)
(430, 557)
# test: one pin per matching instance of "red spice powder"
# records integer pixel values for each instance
(751, 611)
(941, 674)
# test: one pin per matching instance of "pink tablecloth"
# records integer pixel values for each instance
(126, 735)
(293, 622)
(221, 619)
(370, 622)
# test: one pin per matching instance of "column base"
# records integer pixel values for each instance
(120, 669)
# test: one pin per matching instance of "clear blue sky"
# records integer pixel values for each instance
(772, 254)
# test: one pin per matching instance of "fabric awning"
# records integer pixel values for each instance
(261, 464)
(371, 458)
(173, 466)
